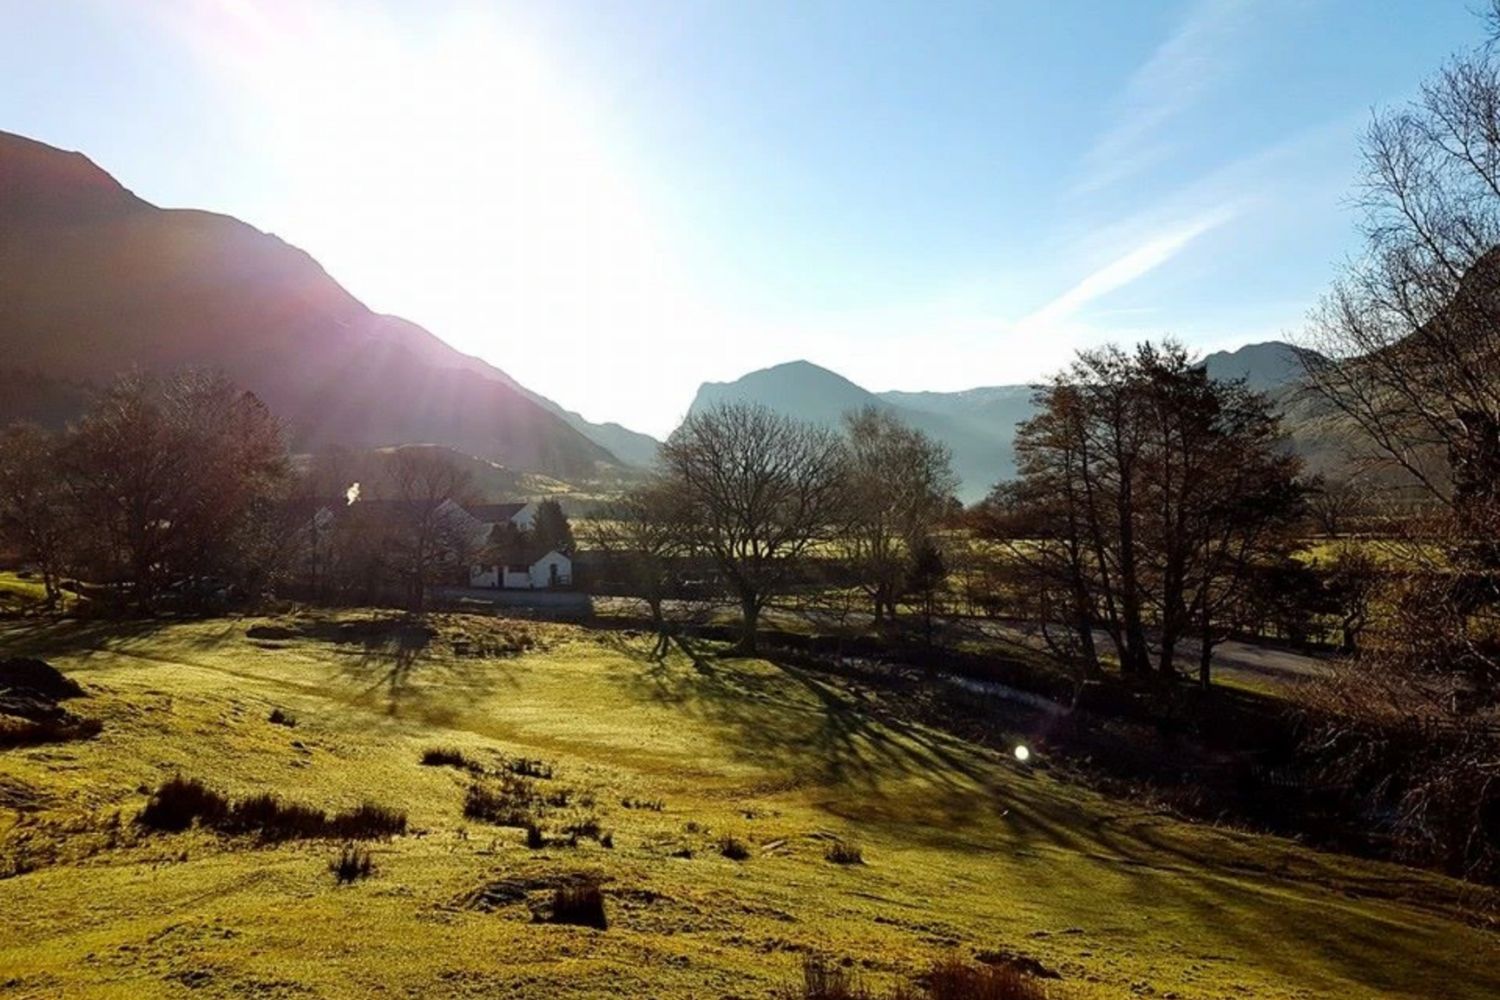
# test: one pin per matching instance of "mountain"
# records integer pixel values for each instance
(976, 425)
(979, 425)
(1265, 367)
(94, 281)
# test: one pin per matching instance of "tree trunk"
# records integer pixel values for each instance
(749, 622)
(1205, 653)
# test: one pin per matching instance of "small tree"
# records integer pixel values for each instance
(644, 536)
(925, 575)
(760, 491)
(899, 485)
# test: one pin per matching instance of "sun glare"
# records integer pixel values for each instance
(446, 174)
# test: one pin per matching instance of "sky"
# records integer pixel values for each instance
(616, 201)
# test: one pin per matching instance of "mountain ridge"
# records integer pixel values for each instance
(95, 280)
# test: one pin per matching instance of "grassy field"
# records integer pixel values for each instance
(964, 851)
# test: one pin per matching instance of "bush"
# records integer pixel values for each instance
(179, 801)
(733, 848)
(821, 980)
(449, 757)
(841, 852)
(948, 979)
(954, 979)
(654, 805)
(511, 804)
(530, 768)
(587, 826)
(351, 865)
(580, 905)
(280, 718)
(534, 838)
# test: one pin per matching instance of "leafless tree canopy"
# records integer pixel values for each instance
(900, 484)
(760, 491)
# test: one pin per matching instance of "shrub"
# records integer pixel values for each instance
(179, 801)
(511, 804)
(530, 768)
(580, 905)
(733, 848)
(841, 852)
(280, 718)
(587, 826)
(351, 865)
(654, 805)
(607, 840)
(368, 821)
(955, 979)
(822, 980)
(534, 838)
(948, 979)
(449, 757)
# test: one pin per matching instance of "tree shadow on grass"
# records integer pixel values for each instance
(1108, 865)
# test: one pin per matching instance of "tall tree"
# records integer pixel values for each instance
(34, 506)
(900, 482)
(760, 490)
(431, 538)
(1408, 361)
(173, 474)
(1146, 492)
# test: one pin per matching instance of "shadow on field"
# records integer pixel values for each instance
(395, 666)
(1084, 861)
(44, 637)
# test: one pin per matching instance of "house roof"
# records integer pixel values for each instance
(494, 513)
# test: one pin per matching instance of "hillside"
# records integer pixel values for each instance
(962, 850)
(94, 281)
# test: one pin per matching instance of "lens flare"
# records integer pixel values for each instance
(1023, 753)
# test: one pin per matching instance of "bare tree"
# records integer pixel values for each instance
(432, 537)
(646, 536)
(172, 476)
(34, 507)
(1407, 362)
(899, 483)
(761, 491)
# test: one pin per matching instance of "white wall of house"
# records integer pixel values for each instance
(483, 576)
(553, 569)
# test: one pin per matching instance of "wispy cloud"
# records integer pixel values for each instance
(1197, 54)
(1151, 252)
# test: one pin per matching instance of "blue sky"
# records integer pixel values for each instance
(616, 201)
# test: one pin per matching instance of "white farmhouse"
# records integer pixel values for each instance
(544, 571)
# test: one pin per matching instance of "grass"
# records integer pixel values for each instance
(965, 854)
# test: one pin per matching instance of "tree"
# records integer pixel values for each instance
(645, 535)
(432, 537)
(550, 530)
(1146, 492)
(760, 491)
(34, 511)
(899, 485)
(1407, 362)
(175, 475)
(925, 575)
